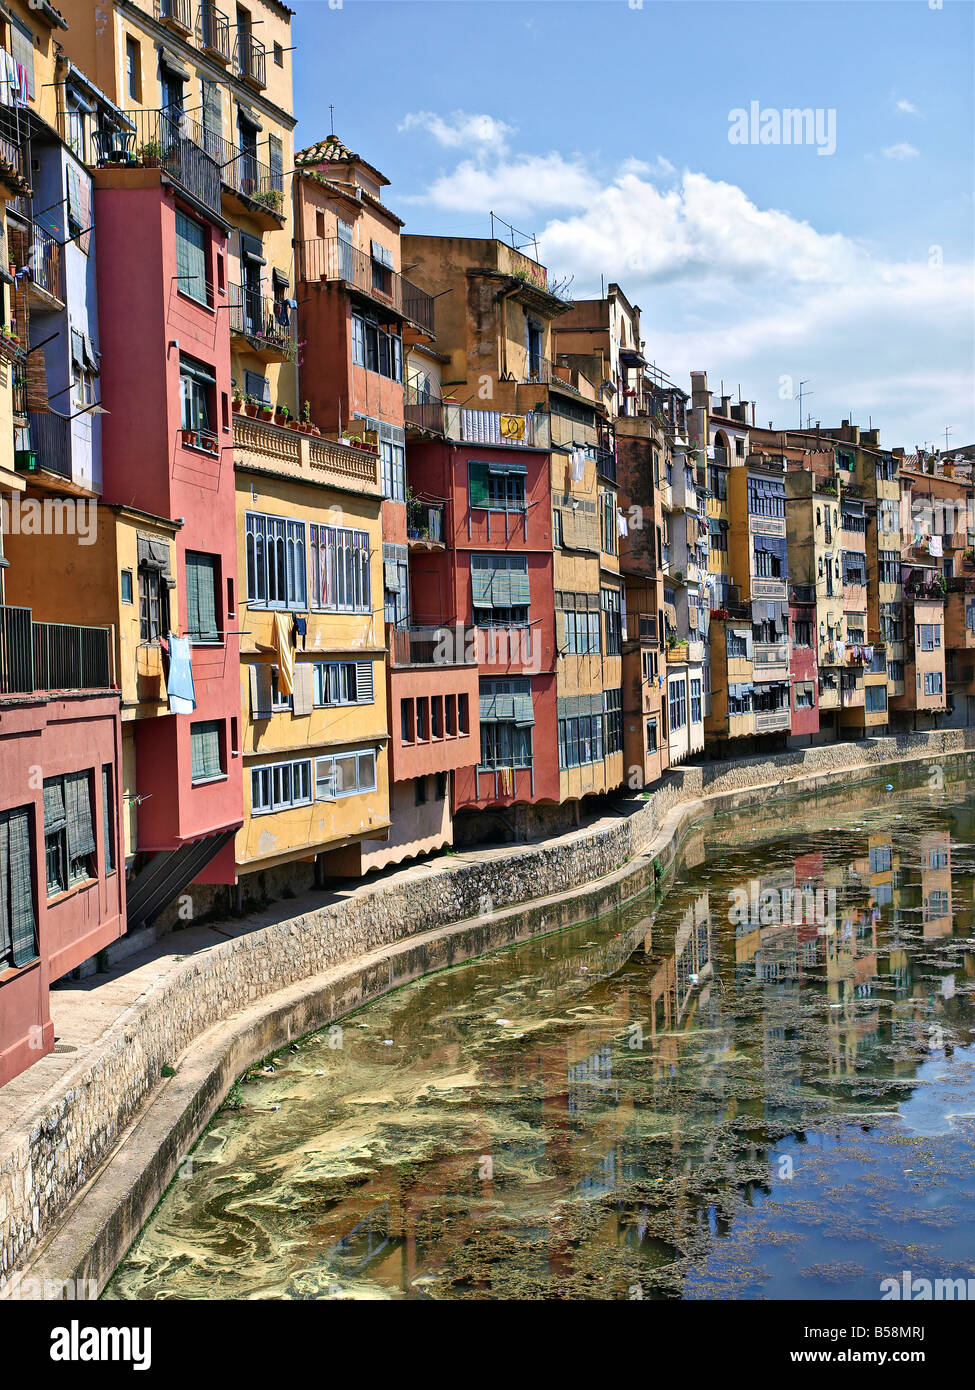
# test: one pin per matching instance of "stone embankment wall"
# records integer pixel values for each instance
(55, 1150)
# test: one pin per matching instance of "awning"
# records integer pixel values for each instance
(173, 63)
(153, 553)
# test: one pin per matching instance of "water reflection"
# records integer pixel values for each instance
(760, 1085)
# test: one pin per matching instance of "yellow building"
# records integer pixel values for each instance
(313, 687)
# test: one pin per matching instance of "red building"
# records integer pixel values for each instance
(803, 668)
(167, 450)
(63, 895)
(493, 575)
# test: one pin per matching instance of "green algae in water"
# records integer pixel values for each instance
(714, 1095)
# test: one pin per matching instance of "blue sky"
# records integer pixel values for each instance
(604, 130)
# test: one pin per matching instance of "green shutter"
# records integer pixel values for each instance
(81, 830)
(107, 818)
(18, 937)
(201, 600)
(190, 258)
(482, 588)
(519, 596)
(205, 750)
(523, 713)
(477, 487)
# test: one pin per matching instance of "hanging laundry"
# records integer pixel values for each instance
(299, 629)
(577, 465)
(179, 686)
(281, 640)
(621, 525)
(934, 545)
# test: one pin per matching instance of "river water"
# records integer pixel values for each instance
(758, 1085)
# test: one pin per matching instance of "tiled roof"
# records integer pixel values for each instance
(331, 150)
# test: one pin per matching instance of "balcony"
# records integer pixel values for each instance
(802, 593)
(770, 660)
(13, 137)
(44, 258)
(251, 59)
(50, 437)
(289, 452)
(249, 186)
(677, 651)
(425, 524)
(422, 411)
(449, 645)
(165, 141)
(641, 628)
(771, 721)
(329, 258)
(492, 427)
(213, 32)
(255, 318)
(175, 14)
(38, 657)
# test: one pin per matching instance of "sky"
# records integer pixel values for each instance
(602, 128)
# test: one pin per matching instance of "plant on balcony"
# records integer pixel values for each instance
(267, 410)
(151, 154)
(281, 416)
(237, 401)
(272, 198)
(250, 406)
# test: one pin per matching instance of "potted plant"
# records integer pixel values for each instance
(250, 406)
(188, 437)
(267, 410)
(306, 425)
(237, 402)
(151, 154)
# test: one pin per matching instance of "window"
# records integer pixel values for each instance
(507, 717)
(929, 636)
(613, 704)
(280, 701)
(500, 589)
(888, 568)
(651, 735)
(557, 528)
(376, 348)
(257, 387)
(420, 791)
(133, 69)
(277, 786)
(854, 567)
(206, 761)
(392, 468)
(695, 701)
(611, 602)
(766, 497)
(340, 578)
(581, 740)
(196, 386)
(345, 774)
(69, 834)
(191, 263)
(126, 586)
(802, 633)
(497, 487)
(739, 699)
(607, 514)
(855, 629)
(737, 644)
(201, 597)
(18, 933)
(804, 696)
(581, 628)
(153, 604)
(275, 561)
(343, 683)
(396, 585)
(463, 725)
(718, 482)
(278, 51)
(717, 533)
(771, 557)
(108, 815)
(895, 670)
(677, 699)
(876, 697)
(933, 683)
(422, 720)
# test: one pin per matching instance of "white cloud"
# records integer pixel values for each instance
(513, 187)
(907, 107)
(461, 130)
(902, 150)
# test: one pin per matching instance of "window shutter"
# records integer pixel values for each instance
(275, 161)
(22, 51)
(365, 693)
(478, 474)
(54, 813)
(190, 257)
(205, 750)
(18, 939)
(201, 603)
(260, 683)
(77, 798)
(302, 694)
(518, 587)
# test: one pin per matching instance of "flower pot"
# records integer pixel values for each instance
(188, 437)
(250, 409)
(236, 406)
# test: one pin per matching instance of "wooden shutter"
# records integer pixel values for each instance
(478, 484)
(302, 696)
(365, 693)
(260, 690)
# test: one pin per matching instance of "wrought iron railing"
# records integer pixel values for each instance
(423, 412)
(241, 170)
(50, 436)
(251, 57)
(448, 645)
(213, 30)
(44, 257)
(330, 258)
(51, 656)
(165, 140)
(13, 132)
(258, 318)
(178, 11)
(425, 521)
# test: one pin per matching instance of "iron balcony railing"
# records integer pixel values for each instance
(251, 57)
(449, 645)
(423, 411)
(495, 427)
(802, 593)
(50, 436)
(213, 30)
(330, 258)
(241, 170)
(537, 370)
(51, 656)
(179, 12)
(163, 140)
(425, 521)
(13, 133)
(44, 257)
(258, 318)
